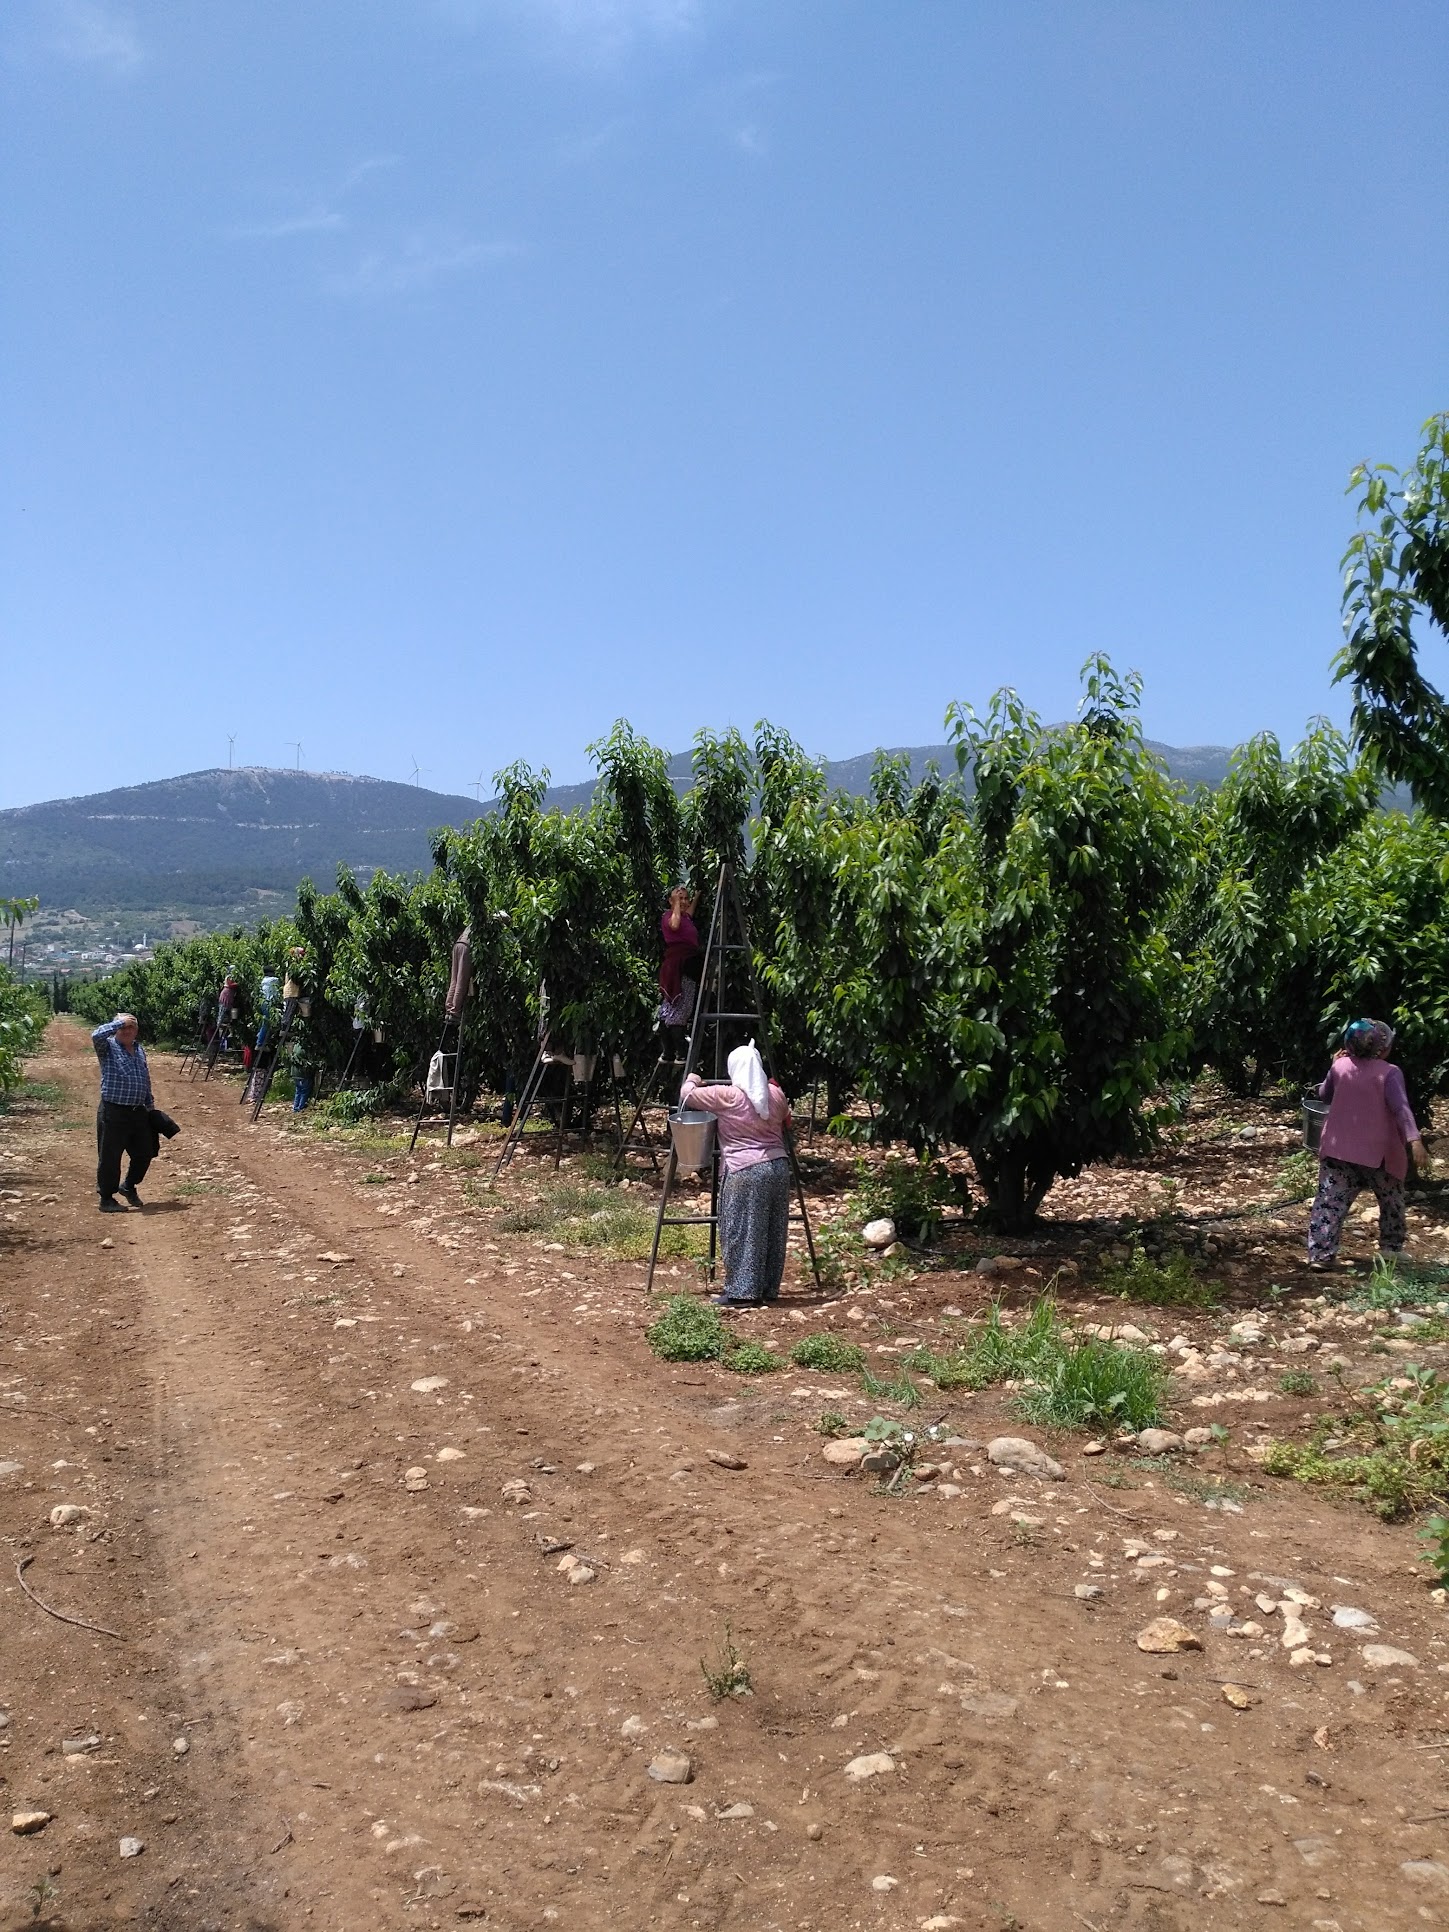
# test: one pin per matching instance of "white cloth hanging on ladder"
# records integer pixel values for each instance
(437, 1074)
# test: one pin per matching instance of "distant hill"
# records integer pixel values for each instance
(216, 847)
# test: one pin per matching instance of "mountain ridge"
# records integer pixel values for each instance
(223, 845)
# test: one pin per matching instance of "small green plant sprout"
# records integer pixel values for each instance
(1435, 1538)
(828, 1352)
(727, 1675)
(40, 1895)
(895, 1447)
(1297, 1382)
(1169, 1283)
(1219, 1434)
(833, 1423)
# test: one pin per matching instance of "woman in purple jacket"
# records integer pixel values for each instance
(1366, 1140)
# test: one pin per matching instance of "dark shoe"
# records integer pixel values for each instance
(110, 1205)
(128, 1193)
(734, 1301)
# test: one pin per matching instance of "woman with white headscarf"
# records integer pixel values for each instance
(754, 1203)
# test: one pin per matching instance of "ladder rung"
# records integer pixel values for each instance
(688, 1220)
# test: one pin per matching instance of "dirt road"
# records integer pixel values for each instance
(346, 1696)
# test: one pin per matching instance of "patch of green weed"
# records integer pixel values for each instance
(1396, 1282)
(1169, 1283)
(597, 1218)
(753, 1358)
(1102, 1383)
(1297, 1176)
(833, 1423)
(827, 1352)
(1297, 1382)
(689, 1330)
(898, 1388)
(1392, 1452)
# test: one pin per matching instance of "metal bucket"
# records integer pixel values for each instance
(584, 1068)
(1315, 1112)
(693, 1137)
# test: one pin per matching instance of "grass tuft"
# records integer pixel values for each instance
(598, 1219)
(1102, 1383)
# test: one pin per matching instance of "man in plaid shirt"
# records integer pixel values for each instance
(123, 1119)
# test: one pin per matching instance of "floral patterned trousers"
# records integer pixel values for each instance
(1339, 1183)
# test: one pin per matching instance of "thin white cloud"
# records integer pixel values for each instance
(594, 28)
(315, 221)
(419, 261)
(94, 34)
(321, 216)
(751, 140)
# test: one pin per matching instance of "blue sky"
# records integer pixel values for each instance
(439, 380)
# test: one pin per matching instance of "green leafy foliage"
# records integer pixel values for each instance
(1297, 1382)
(1395, 596)
(1254, 842)
(1435, 1538)
(23, 1013)
(1394, 1281)
(915, 1194)
(694, 1331)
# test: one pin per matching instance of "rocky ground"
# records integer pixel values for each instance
(395, 1566)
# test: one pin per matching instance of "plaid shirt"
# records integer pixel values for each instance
(125, 1077)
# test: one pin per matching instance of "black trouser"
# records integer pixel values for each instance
(122, 1130)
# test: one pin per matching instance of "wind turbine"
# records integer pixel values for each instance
(417, 772)
(230, 748)
(296, 744)
(477, 788)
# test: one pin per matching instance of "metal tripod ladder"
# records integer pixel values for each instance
(714, 979)
(582, 1090)
(452, 1066)
(654, 1090)
(258, 1083)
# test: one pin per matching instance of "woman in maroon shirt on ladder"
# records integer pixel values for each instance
(1366, 1140)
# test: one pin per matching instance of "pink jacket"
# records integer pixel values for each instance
(1369, 1122)
(744, 1139)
